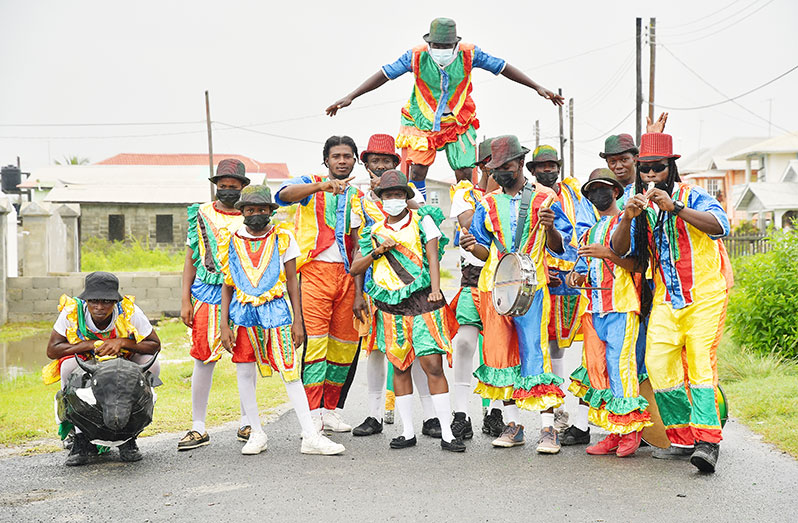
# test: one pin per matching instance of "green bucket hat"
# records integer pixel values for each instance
(483, 153)
(231, 168)
(618, 144)
(602, 176)
(256, 195)
(442, 31)
(543, 153)
(503, 149)
(393, 179)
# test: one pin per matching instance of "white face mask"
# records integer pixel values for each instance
(442, 57)
(394, 207)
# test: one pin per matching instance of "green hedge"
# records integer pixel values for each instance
(97, 254)
(763, 308)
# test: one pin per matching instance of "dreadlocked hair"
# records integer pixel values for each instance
(332, 141)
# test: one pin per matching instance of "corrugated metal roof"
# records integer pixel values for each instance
(787, 143)
(767, 196)
(273, 170)
(718, 157)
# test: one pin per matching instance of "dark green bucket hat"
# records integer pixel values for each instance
(619, 144)
(442, 31)
(483, 153)
(543, 153)
(231, 168)
(256, 195)
(393, 179)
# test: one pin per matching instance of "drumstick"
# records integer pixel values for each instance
(545, 205)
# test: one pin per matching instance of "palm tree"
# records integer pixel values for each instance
(73, 160)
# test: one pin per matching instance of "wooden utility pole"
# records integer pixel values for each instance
(571, 136)
(537, 133)
(652, 46)
(210, 139)
(639, 92)
(562, 134)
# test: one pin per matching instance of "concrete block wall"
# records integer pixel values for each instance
(139, 222)
(35, 298)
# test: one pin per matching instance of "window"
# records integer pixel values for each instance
(434, 198)
(163, 228)
(713, 186)
(116, 227)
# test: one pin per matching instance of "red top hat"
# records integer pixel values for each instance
(656, 146)
(380, 144)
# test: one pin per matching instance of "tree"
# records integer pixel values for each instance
(73, 160)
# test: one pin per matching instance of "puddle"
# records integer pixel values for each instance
(25, 356)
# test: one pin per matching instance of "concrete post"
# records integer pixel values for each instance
(69, 214)
(748, 169)
(5, 208)
(36, 230)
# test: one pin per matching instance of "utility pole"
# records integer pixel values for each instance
(652, 46)
(210, 139)
(562, 134)
(537, 133)
(571, 136)
(639, 92)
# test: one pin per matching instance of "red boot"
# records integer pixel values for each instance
(605, 446)
(629, 444)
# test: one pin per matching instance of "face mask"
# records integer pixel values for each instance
(378, 172)
(505, 179)
(257, 222)
(340, 177)
(442, 57)
(394, 207)
(602, 198)
(547, 179)
(229, 197)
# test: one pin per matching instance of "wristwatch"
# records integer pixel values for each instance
(375, 256)
(678, 205)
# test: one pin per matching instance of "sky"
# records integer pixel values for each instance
(273, 67)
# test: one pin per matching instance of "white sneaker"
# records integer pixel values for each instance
(255, 444)
(560, 421)
(319, 444)
(334, 423)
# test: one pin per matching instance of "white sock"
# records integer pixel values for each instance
(244, 421)
(299, 400)
(546, 419)
(315, 413)
(375, 378)
(558, 366)
(422, 387)
(465, 345)
(581, 417)
(404, 404)
(201, 380)
(246, 391)
(497, 404)
(442, 409)
(511, 414)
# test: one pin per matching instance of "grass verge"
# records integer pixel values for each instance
(18, 331)
(26, 404)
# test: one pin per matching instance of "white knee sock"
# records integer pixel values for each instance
(246, 391)
(375, 378)
(497, 404)
(299, 400)
(201, 380)
(404, 404)
(511, 414)
(582, 412)
(558, 367)
(244, 421)
(422, 387)
(546, 419)
(465, 345)
(442, 409)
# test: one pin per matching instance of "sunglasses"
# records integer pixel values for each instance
(657, 167)
(102, 302)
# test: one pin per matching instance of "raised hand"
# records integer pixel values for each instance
(556, 99)
(340, 104)
(335, 186)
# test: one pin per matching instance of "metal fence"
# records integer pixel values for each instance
(746, 244)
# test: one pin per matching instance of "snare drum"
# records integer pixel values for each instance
(514, 284)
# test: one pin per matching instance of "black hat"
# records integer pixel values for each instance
(231, 168)
(101, 286)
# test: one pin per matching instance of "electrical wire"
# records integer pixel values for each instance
(746, 17)
(608, 131)
(273, 135)
(94, 124)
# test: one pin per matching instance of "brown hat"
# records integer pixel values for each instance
(503, 149)
(231, 168)
(602, 176)
(393, 179)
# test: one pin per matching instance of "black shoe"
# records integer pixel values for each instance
(368, 427)
(456, 445)
(79, 453)
(461, 426)
(432, 428)
(575, 436)
(705, 456)
(402, 443)
(493, 423)
(675, 453)
(129, 451)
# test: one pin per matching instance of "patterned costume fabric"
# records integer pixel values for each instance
(440, 112)
(259, 311)
(323, 220)
(405, 324)
(205, 226)
(608, 378)
(517, 362)
(466, 303)
(77, 330)
(691, 282)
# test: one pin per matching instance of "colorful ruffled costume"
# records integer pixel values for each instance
(466, 303)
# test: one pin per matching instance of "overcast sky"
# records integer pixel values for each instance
(279, 64)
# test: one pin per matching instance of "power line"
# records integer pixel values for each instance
(746, 17)
(608, 131)
(703, 17)
(155, 135)
(273, 135)
(94, 124)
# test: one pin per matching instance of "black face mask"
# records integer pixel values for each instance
(229, 197)
(547, 179)
(257, 222)
(602, 198)
(378, 172)
(340, 177)
(505, 179)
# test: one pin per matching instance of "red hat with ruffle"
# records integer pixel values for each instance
(656, 146)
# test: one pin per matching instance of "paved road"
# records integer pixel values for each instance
(754, 482)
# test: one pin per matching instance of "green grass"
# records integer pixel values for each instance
(26, 404)
(97, 254)
(762, 391)
(18, 331)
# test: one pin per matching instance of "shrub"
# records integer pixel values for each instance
(97, 254)
(763, 308)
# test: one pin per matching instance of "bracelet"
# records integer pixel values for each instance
(375, 256)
